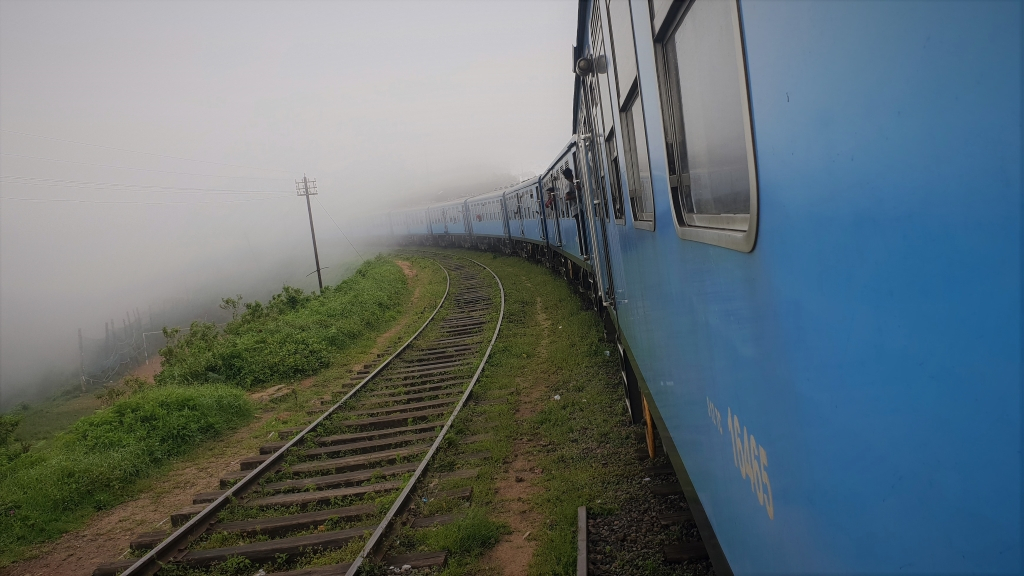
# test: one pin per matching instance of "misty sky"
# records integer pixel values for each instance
(202, 115)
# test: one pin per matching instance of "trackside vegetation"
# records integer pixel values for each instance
(98, 462)
(292, 336)
(557, 435)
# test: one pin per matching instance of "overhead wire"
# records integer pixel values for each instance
(339, 228)
(141, 152)
(142, 169)
(153, 203)
(122, 187)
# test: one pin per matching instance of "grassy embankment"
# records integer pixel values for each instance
(555, 455)
(104, 458)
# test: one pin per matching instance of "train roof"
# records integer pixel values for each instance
(561, 154)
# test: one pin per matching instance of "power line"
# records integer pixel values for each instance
(140, 169)
(77, 201)
(339, 229)
(121, 187)
(140, 152)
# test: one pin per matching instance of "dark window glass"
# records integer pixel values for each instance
(615, 180)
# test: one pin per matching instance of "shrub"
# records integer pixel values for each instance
(97, 462)
(292, 336)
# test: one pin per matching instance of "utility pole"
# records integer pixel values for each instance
(307, 188)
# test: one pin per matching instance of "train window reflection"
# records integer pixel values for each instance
(621, 26)
(638, 168)
(707, 122)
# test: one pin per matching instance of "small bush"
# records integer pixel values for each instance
(292, 336)
(97, 462)
(467, 537)
(8, 424)
(126, 387)
(8, 451)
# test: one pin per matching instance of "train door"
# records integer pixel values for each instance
(591, 131)
(519, 212)
(538, 205)
(593, 178)
(554, 214)
(505, 215)
(579, 205)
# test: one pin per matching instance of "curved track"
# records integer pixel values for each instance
(321, 489)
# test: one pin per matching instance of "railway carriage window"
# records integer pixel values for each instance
(638, 167)
(616, 178)
(621, 25)
(634, 134)
(708, 140)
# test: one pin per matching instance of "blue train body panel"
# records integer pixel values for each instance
(838, 369)
(487, 215)
(525, 208)
(564, 234)
(871, 342)
(410, 222)
(449, 219)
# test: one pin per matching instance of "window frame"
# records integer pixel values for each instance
(627, 118)
(622, 38)
(618, 211)
(675, 137)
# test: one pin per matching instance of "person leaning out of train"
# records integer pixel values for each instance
(572, 194)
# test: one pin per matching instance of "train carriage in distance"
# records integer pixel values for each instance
(564, 208)
(411, 222)
(524, 203)
(488, 222)
(801, 222)
(449, 223)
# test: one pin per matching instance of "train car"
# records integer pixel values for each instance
(803, 221)
(449, 223)
(525, 208)
(813, 239)
(564, 218)
(488, 222)
(411, 224)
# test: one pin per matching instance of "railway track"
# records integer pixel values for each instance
(305, 503)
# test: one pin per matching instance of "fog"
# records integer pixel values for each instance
(148, 150)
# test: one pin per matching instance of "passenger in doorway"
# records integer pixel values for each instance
(572, 203)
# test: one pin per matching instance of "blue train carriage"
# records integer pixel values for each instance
(487, 220)
(524, 204)
(449, 223)
(832, 354)
(565, 216)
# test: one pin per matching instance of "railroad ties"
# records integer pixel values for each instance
(307, 504)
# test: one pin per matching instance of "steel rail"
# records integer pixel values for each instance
(400, 503)
(176, 543)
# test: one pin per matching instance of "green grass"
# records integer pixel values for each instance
(97, 462)
(44, 420)
(295, 334)
(550, 344)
